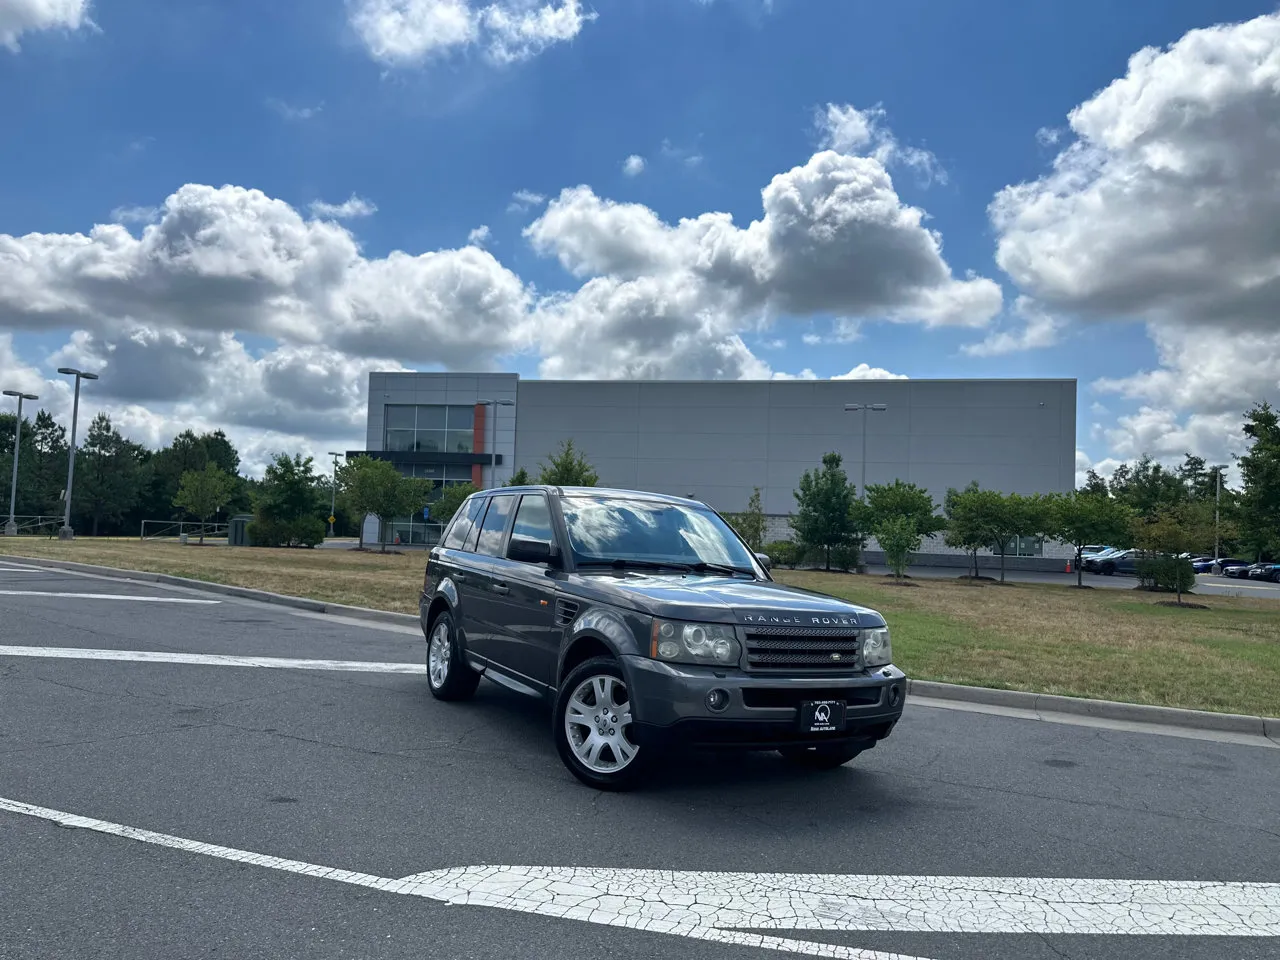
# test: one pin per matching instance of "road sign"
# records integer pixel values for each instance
(333, 519)
(426, 513)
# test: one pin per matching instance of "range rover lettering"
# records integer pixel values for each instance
(648, 624)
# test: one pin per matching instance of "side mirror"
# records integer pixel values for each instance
(528, 550)
(764, 561)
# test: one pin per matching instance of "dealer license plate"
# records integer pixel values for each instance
(822, 716)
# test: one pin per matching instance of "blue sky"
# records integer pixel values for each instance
(718, 97)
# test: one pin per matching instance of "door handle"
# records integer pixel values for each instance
(460, 577)
(501, 588)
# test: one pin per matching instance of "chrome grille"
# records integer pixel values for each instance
(802, 648)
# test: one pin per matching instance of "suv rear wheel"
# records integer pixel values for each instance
(448, 675)
(592, 720)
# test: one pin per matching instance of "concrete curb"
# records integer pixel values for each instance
(226, 590)
(1102, 709)
(1268, 727)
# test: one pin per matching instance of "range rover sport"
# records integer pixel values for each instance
(649, 624)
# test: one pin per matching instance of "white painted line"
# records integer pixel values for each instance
(718, 906)
(101, 596)
(212, 659)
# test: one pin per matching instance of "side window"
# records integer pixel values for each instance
(495, 522)
(533, 518)
(462, 524)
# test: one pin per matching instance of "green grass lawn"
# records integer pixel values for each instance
(1109, 644)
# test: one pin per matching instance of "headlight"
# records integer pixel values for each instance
(694, 643)
(876, 649)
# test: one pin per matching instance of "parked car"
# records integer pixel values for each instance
(1238, 570)
(1123, 561)
(1093, 549)
(646, 622)
(1094, 563)
(1206, 564)
(1265, 571)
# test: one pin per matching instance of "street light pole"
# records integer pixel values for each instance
(66, 533)
(863, 408)
(493, 445)
(11, 528)
(1217, 505)
(333, 493)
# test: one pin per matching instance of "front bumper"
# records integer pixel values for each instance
(669, 705)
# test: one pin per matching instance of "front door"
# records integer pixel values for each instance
(526, 640)
(482, 604)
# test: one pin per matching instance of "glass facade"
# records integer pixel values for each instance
(430, 429)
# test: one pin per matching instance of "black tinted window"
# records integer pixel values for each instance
(495, 521)
(533, 519)
(462, 524)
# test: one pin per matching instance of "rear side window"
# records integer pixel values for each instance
(462, 524)
(495, 522)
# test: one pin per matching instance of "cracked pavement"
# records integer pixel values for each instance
(964, 836)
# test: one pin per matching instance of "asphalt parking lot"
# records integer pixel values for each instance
(1205, 584)
(272, 783)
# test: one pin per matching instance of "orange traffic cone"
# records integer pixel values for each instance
(1068, 566)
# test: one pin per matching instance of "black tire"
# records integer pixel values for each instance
(632, 770)
(1109, 570)
(459, 681)
(825, 757)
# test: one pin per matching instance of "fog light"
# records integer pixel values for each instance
(717, 700)
(895, 696)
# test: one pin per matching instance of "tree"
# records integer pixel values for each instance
(376, 487)
(1259, 504)
(1169, 534)
(825, 519)
(287, 511)
(1081, 518)
(899, 537)
(202, 493)
(449, 501)
(106, 473)
(972, 519)
(1095, 485)
(898, 499)
(750, 524)
(1147, 487)
(1012, 517)
(568, 468)
(520, 478)
(49, 441)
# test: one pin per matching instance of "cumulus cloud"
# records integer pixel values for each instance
(349, 209)
(1162, 209)
(1038, 330)
(410, 32)
(523, 201)
(21, 16)
(134, 214)
(866, 372)
(479, 236)
(634, 165)
(846, 129)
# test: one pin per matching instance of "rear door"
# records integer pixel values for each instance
(454, 559)
(526, 641)
(483, 603)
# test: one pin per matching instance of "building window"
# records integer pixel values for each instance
(1025, 547)
(430, 429)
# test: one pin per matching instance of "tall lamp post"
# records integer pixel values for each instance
(66, 533)
(863, 408)
(333, 493)
(493, 452)
(11, 528)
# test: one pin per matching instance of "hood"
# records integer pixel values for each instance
(724, 599)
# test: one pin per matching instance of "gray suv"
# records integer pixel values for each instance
(649, 625)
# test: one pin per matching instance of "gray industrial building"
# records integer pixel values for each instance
(717, 440)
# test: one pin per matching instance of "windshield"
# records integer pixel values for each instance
(605, 529)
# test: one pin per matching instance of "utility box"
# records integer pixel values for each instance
(238, 530)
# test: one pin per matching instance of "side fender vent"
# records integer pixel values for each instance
(566, 611)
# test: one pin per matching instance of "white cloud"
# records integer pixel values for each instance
(1048, 136)
(20, 16)
(349, 209)
(291, 112)
(1038, 330)
(410, 32)
(843, 330)
(524, 200)
(479, 236)
(1163, 209)
(846, 129)
(633, 166)
(135, 214)
(865, 372)
(685, 155)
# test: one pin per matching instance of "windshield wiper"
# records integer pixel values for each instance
(624, 563)
(703, 567)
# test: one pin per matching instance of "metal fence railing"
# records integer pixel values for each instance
(35, 526)
(176, 529)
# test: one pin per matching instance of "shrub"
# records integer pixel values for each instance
(782, 553)
(1166, 574)
(899, 537)
(303, 532)
(847, 556)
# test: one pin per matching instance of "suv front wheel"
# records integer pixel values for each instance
(592, 721)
